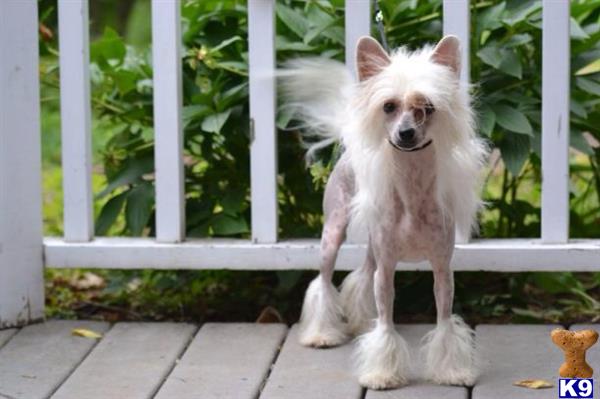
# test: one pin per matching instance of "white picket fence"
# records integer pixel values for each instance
(24, 252)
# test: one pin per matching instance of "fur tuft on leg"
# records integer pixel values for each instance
(358, 301)
(382, 358)
(449, 352)
(321, 323)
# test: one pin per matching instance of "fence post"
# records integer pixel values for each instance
(357, 15)
(556, 63)
(75, 114)
(457, 22)
(263, 147)
(21, 262)
(168, 132)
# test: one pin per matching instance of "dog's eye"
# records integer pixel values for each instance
(429, 109)
(389, 107)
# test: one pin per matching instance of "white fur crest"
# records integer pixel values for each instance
(321, 323)
(382, 358)
(449, 353)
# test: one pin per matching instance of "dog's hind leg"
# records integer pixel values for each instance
(358, 298)
(321, 322)
(449, 349)
(382, 356)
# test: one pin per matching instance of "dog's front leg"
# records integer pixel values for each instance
(382, 354)
(449, 348)
(321, 322)
(357, 296)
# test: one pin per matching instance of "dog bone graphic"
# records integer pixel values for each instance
(574, 344)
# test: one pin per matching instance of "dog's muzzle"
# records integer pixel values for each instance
(422, 146)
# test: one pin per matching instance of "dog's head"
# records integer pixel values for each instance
(405, 96)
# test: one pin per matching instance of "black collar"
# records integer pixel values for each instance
(410, 149)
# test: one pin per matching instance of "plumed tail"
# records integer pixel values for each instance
(316, 91)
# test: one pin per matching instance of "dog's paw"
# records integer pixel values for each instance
(321, 323)
(449, 352)
(382, 358)
(323, 339)
(453, 376)
(382, 380)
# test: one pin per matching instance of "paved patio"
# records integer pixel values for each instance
(244, 361)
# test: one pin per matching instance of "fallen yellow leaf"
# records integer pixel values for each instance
(534, 384)
(83, 332)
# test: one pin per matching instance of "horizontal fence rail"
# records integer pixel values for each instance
(552, 252)
(505, 255)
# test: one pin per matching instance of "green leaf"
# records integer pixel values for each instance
(576, 32)
(131, 171)
(140, 201)
(189, 113)
(588, 85)
(234, 95)
(577, 141)
(519, 40)
(294, 20)
(511, 64)
(491, 55)
(578, 109)
(126, 81)
(241, 68)
(282, 43)
(225, 225)
(487, 120)
(284, 116)
(109, 47)
(490, 18)
(505, 60)
(521, 10)
(213, 123)
(336, 34)
(515, 150)
(485, 35)
(320, 21)
(234, 202)
(109, 213)
(512, 119)
(592, 67)
(225, 43)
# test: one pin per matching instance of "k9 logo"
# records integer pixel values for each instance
(575, 388)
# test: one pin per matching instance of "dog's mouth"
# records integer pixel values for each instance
(410, 149)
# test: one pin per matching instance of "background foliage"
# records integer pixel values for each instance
(505, 69)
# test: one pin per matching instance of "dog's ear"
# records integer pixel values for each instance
(447, 53)
(371, 58)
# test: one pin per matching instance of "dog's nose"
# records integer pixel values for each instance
(407, 134)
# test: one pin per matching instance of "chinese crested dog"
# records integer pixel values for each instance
(410, 173)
